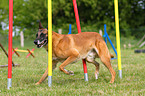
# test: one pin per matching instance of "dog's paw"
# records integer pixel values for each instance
(37, 83)
(111, 82)
(71, 72)
(96, 75)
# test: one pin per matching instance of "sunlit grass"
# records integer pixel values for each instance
(31, 70)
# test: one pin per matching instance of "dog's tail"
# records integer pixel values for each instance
(112, 56)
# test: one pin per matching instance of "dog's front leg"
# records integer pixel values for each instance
(44, 76)
(65, 63)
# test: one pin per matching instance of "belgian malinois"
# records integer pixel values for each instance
(73, 47)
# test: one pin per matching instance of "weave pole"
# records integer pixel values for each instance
(10, 44)
(118, 37)
(69, 29)
(49, 43)
(79, 31)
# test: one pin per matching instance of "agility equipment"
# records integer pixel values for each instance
(118, 37)
(1, 66)
(79, 31)
(19, 50)
(10, 44)
(49, 43)
(140, 45)
(143, 43)
(107, 37)
(30, 53)
(16, 50)
(69, 29)
(139, 51)
(9, 84)
(60, 30)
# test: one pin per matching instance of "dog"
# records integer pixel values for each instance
(73, 47)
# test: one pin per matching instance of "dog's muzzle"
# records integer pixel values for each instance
(40, 43)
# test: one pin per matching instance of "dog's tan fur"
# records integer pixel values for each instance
(73, 47)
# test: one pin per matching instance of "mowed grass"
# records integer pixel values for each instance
(31, 70)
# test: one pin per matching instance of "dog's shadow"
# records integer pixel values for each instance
(63, 79)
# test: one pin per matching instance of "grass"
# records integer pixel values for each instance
(31, 70)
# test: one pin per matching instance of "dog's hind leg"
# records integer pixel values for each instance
(106, 58)
(44, 76)
(107, 63)
(91, 59)
(97, 69)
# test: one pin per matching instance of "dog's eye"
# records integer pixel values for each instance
(42, 35)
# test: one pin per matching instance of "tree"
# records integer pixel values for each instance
(93, 14)
(4, 12)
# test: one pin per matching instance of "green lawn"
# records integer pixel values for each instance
(31, 70)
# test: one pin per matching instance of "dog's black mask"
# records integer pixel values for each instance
(41, 38)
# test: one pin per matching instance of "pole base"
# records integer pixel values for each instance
(120, 74)
(9, 83)
(86, 76)
(49, 81)
(16, 65)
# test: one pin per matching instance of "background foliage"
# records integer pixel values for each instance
(93, 15)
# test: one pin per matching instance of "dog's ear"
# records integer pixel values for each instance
(40, 26)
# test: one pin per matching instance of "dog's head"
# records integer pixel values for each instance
(41, 37)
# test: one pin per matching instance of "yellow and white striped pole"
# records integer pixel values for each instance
(118, 37)
(49, 43)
